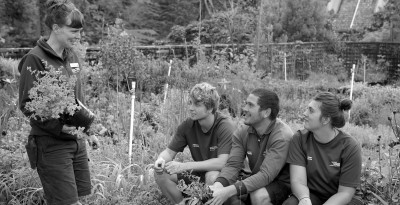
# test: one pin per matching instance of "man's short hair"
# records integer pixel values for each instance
(207, 94)
(267, 99)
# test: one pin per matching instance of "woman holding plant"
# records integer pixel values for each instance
(61, 157)
(325, 162)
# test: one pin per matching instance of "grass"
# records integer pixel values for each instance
(115, 181)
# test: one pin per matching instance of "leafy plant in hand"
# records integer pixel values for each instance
(52, 95)
(198, 192)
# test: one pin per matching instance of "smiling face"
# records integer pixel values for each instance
(312, 116)
(198, 110)
(66, 23)
(252, 114)
(68, 36)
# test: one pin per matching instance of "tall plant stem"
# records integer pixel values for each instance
(390, 176)
(259, 34)
(395, 126)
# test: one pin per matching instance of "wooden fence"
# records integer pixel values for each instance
(300, 57)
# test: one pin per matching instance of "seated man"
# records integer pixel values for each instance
(265, 141)
(209, 137)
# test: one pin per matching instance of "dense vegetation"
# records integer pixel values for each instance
(115, 181)
(373, 118)
(219, 21)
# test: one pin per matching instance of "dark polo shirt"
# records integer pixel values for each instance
(266, 153)
(35, 60)
(203, 146)
(328, 165)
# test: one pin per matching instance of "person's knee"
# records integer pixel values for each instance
(260, 196)
(211, 176)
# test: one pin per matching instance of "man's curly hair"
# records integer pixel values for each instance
(207, 94)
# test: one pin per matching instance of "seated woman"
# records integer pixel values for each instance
(325, 162)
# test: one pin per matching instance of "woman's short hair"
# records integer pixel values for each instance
(267, 99)
(60, 11)
(207, 94)
(333, 107)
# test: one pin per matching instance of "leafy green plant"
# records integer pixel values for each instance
(375, 71)
(380, 175)
(372, 105)
(8, 68)
(52, 95)
(198, 192)
(380, 179)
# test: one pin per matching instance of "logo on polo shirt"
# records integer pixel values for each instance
(213, 148)
(196, 145)
(249, 153)
(309, 158)
(335, 164)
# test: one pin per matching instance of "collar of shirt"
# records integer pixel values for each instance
(252, 130)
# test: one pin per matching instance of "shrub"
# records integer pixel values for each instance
(374, 105)
(8, 68)
(198, 192)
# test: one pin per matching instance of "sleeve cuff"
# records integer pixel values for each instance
(223, 181)
(240, 188)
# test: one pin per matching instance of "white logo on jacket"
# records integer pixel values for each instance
(213, 148)
(335, 164)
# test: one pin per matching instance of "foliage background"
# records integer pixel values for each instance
(220, 21)
(107, 87)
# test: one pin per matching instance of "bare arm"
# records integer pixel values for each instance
(165, 156)
(213, 164)
(168, 155)
(298, 181)
(343, 196)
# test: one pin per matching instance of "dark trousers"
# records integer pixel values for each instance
(63, 169)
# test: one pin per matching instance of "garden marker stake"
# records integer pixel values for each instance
(132, 119)
(224, 82)
(354, 15)
(352, 84)
(166, 84)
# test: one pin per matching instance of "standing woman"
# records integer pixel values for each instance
(325, 162)
(62, 161)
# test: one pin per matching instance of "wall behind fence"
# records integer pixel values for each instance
(300, 57)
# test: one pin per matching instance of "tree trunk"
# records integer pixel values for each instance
(203, 13)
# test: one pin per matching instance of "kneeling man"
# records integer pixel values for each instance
(265, 141)
(209, 138)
